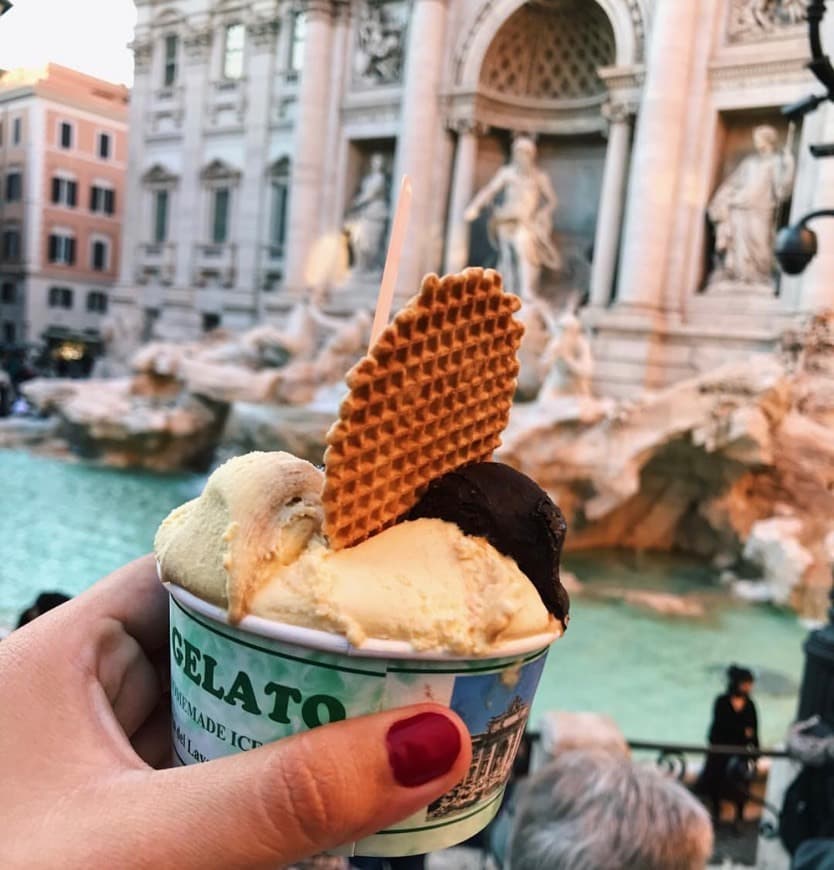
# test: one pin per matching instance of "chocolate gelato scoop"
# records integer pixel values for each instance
(493, 501)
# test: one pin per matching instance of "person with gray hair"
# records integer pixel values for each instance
(596, 810)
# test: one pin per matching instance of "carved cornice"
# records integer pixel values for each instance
(557, 117)
(142, 53)
(757, 72)
(197, 41)
(261, 30)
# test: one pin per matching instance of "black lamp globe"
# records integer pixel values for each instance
(796, 246)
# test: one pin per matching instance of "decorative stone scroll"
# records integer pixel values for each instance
(751, 20)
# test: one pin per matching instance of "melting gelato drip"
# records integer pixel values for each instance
(493, 501)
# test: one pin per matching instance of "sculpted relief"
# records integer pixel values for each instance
(379, 39)
(744, 211)
(755, 19)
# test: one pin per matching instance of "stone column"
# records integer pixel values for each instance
(188, 217)
(261, 34)
(417, 141)
(612, 198)
(135, 230)
(310, 140)
(463, 181)
(656, 169)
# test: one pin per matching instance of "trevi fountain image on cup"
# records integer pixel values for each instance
(626, 165)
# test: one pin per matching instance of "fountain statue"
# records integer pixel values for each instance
(523, 222)
(367, 217)
(743, 210)
(567, 365)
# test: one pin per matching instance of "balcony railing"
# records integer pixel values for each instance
(156, 260)
(215, 262)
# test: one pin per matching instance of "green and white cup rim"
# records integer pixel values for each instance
(325, 641)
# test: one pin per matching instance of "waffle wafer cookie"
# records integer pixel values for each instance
(433, 393)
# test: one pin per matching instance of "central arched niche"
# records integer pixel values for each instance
(550, 50)
(540, 76)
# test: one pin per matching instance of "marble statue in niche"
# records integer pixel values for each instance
(379, 42)
(744, 209)
(522, 224)
(567, 365)
(367, 218)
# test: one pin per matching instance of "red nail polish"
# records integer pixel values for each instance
(422, 748)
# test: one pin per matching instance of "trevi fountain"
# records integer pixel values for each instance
(625, 165)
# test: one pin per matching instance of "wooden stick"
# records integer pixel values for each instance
(392, 260)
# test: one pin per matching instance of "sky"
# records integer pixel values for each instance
(88, 35)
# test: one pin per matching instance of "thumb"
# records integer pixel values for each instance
(314, 791)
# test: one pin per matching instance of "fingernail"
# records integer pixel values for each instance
(422, 748)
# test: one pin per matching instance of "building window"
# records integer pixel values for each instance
(64, 191)
(279, 200)
(102, 199)
(14, 186)
(17, 133)
(9, 331)
(103, 147)
(11, 244)
(65, 134)
(97, 302)
(169, 75)
(99, 255)
(210, 321)
(299, 28)
(60, 297)
(159, 232)
(220, 215)
(61, 249)
(8, 293)
(233, 51)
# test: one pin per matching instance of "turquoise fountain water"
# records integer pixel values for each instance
(65, 525)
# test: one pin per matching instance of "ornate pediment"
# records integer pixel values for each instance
(159, 175)
(279, 167)
(219, 170)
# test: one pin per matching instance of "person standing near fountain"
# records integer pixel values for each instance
(523, 222)
(735, 722)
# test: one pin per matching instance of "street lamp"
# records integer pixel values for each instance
(796, 245)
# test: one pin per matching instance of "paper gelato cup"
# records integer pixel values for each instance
(236, 687)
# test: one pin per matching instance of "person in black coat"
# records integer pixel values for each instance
(734, 723)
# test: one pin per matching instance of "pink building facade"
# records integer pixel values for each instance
(63, 154)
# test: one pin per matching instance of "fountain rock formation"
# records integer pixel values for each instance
(283, 386)
(735, 463)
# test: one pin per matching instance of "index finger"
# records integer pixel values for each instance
(133, 596)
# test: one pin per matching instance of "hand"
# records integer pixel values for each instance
(85, 719)
(471, 214)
